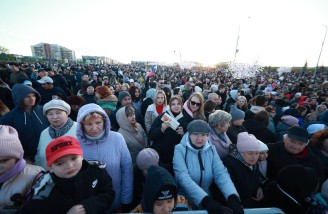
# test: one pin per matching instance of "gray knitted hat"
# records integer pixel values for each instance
(198, 126)
(236, 113)
(122, 95)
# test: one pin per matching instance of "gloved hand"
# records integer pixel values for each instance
(212, 206)
(234, 203)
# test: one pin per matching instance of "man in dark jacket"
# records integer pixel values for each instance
(293, 150)
(27, 118)
(49, 91)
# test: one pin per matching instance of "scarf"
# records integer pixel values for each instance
(175, 116)
(57, 132)
(220, 135)
(100, 136)
(159, 109)
(19, 166)
(234, 153)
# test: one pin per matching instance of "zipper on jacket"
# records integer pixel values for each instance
(201, 168)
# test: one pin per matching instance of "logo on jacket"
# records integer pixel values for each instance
(94, 183)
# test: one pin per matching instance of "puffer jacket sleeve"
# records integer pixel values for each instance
(222, 176)
(148, 119)
(191, 189)
(104, 199)
(127, 173)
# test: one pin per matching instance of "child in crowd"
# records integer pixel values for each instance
(16, 176)
(146, 158)
(263, 165)
(73, 184)
(160, 193)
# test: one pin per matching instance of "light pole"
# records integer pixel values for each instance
(237, 50)
(234, 59)
(324, 38)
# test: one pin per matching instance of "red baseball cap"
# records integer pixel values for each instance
(65, 145)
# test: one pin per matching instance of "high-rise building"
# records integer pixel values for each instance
(53, 52)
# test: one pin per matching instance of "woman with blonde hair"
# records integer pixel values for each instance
(194, 107)
(242, 103)
(158, 107)
(125, 87)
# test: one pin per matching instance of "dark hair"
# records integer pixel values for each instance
(132, 91)
(209, 106)
(167, 92)
(260, 100)
(263, 117)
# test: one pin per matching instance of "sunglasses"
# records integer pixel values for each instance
(194, 103)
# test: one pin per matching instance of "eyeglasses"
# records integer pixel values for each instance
(194, 103)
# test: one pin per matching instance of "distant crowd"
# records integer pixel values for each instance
(101, 138)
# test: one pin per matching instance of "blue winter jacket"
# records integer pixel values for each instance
(194, 177)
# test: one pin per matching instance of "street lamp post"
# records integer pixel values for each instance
(237, 50)
(324, 38)
(234, 59)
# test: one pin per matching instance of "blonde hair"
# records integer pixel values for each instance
(125, 85)
(162, 93)
(199, 114)
(245, 104)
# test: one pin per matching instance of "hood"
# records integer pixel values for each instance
(110, 98)
(234, 94)
(298, 181)
(19, 91)
(151, 93)
(123, 120)
(256, 109)
(157, 178)
(84, 111)
(324, 117)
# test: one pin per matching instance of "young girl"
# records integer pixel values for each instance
(158, 107)
(16, 176)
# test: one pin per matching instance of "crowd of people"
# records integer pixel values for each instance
(125, 138)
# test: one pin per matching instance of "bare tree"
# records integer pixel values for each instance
(4, 50)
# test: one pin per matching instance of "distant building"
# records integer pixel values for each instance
(99, 60)
(53, 52)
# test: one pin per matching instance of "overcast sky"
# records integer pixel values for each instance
(276, 33)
